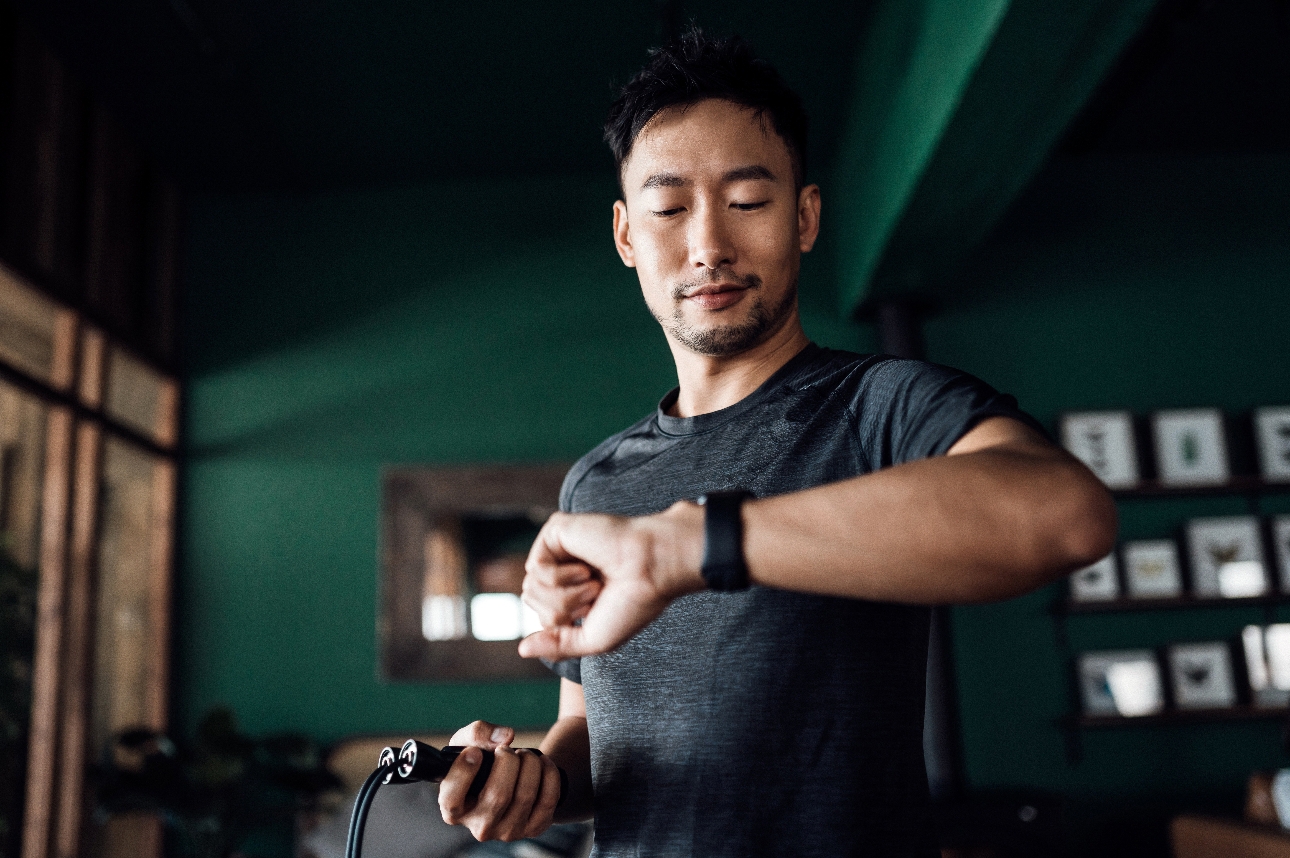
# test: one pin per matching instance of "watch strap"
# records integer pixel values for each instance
(724, 568)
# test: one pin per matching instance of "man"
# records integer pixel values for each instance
(746, 677)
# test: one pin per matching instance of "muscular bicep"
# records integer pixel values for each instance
(572, 703)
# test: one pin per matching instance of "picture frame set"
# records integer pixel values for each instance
(1187, 447)
(1220, 557)
(1189, 676)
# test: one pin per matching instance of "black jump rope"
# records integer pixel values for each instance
(417, 761)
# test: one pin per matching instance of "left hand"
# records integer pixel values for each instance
(615, 574)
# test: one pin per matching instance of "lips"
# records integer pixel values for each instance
(717, 296)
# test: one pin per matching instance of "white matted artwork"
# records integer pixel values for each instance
(1201, 675)
(1121, 682)
(1276, 639)
(1281, 549)
(1103, 440)
(1268, 687)
(1191, 448)
(1272, 426)
(1151, 569)
(1096, 583)
(1226, 555)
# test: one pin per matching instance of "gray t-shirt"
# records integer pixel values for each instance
(767, 722)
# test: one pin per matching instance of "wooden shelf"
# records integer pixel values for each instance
(1177, 716)
(1066, 606)
(1239, 485)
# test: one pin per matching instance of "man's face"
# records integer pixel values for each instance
(714, 226)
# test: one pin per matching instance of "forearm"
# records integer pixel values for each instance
(568, 745)
(975, 527)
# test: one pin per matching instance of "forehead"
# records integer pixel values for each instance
(710, 137)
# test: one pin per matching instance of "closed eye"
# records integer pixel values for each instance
(749, 207)
(666, 212)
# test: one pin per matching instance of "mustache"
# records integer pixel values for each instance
(715, 275)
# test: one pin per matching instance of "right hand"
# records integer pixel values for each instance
(520, 796)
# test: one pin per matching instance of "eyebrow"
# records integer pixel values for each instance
(739, 174)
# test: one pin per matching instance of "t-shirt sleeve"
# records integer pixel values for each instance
(907, 410)
(570, 669)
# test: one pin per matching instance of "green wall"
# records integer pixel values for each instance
(1136, 283)
(331, 335)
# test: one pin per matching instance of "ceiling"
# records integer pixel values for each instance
(315, 94)
(1203, 77)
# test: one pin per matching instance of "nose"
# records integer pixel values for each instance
(711, 244)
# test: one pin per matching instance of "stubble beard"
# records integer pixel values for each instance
(726, 340)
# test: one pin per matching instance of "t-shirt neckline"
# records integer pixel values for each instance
(670, 425)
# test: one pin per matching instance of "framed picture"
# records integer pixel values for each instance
(1096, 583)
(1226, 557)
(1281, 549)
(1151, 569)
(1272, 426)
(1121, 682)
(1258, 666)
(1104, 441)
(1276, 642)
(1201, 675)
(1191, 447)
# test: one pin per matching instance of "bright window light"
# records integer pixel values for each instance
(443, 618)
(496, 617)
(530, 622)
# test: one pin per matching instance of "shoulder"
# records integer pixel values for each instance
(602, 452)
(872, 375)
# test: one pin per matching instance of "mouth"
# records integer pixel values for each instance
(717, 296)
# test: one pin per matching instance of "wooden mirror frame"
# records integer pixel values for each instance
(416, 501)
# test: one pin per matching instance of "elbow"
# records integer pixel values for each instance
(1091, 524)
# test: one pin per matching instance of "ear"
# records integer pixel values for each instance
(808, 217)
(623, 235)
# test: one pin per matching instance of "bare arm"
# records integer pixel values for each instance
(1002, 513)
(569, 746)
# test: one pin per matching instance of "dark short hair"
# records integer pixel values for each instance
(698, 67)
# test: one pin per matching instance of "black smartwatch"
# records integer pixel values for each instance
(724, 568)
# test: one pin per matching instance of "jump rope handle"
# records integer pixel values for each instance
(417, 761)
(421, 762)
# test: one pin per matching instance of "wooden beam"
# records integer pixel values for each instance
(76, 671)
(958, 104)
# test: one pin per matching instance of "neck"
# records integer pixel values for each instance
(711, 383)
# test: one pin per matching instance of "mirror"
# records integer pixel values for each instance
(453, 544)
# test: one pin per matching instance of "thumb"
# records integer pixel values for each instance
(482, 734)
(552, 644)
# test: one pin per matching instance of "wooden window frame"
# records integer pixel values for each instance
(56, 800)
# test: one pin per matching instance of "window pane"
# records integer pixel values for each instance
(128, 626)
(27, 323)
(22, 442)
(136, 396)
(22, 448)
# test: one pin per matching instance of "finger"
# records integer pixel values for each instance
(560, 606)
(481, 734)
(543, 812)
(495, 799)
(528, 785)
(546, 547)
(560, 574)
(453, 802)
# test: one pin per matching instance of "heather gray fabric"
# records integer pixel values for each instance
(767, 722)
